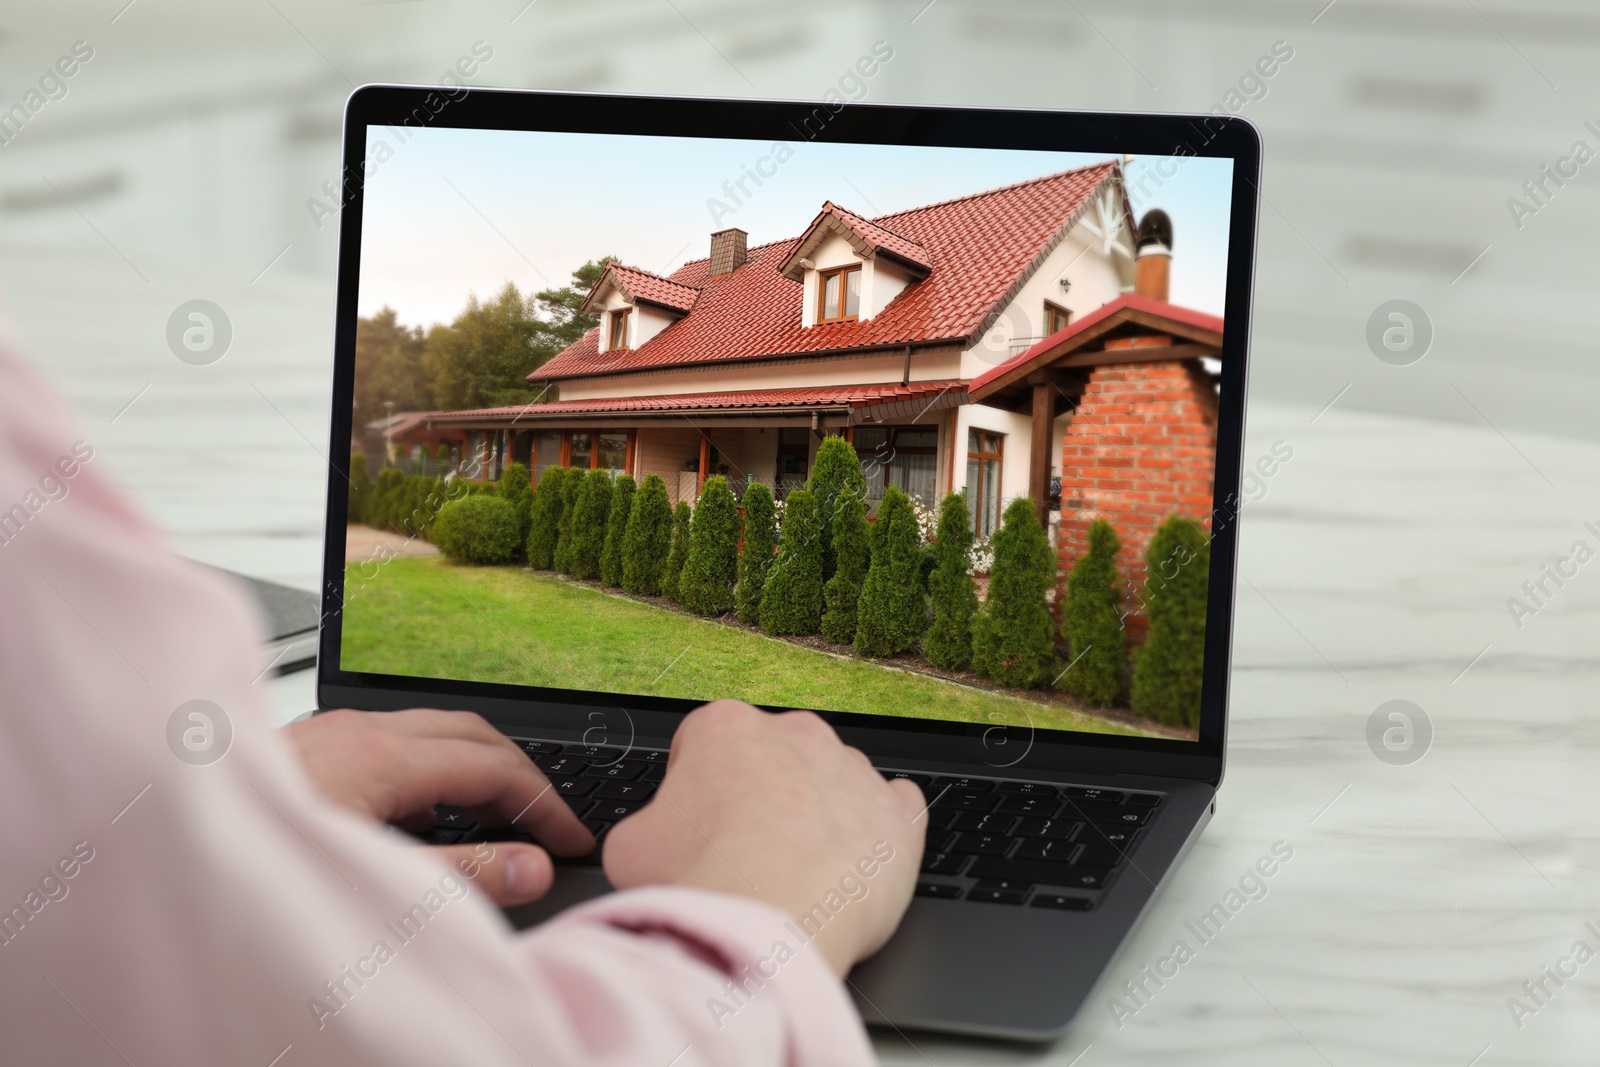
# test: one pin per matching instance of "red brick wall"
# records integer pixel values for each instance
(1140, 447)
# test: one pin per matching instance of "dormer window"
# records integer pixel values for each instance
(839, 294)
(617, 334)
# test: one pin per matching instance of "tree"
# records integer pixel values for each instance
(483, 358)
(760, 536)
(792, 601)
(837, 472)
(383, 494)
(360, 488)
(648, 540)
(617, 530)
(561, 322)
(1092, 621)
(544, 526)
(589, 514)
(389, 368)
(516, 488)
(1167, 671)
(681, 520)
(564, 524)
(893, 609)
(852, 553)
(705, 586)
(478, 529)
(954, 593)
(1012, 637)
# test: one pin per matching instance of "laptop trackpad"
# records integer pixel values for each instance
(573, 885)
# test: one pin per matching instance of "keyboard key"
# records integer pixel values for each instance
(1101, 856)
(982, 844)
(922, 780)
(1113, 814)
(1042, 872)
(1057, 828)
(654, 772)
(613, 810)
(1114, 836)
(1005, 883)
(1077, 792)
(1144, 800)
(1029, 789)
(938, 890)
(1021, 804)
(943, 862)
(611, 790)
(1062, 901)
(569, 786)
(968, 785)
(625, 769)
(967, 800)
(537, 748)
(982, 822)
(1057, 851)
(440, 837)
(449, 817)
(996, 896)
(552, 763)
(652, 755)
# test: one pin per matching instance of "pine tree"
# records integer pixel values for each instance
(649, 539)
(756, 555)
(383, 490)
(564, 526)
(682, 519)
(711, 567)
(589, 514)
(360, 488)
(617, 530)
(893, 610)
(852, 551)
(837, 472)
(1012, 636)
(517, 488)
(792, 602)
(1092, 621)
(955, 595)
(544, 527)
(1167, 671)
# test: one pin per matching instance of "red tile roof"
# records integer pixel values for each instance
(983, 247)
(1058, 343)
(852, 396)
(869, 237)
(642, 285)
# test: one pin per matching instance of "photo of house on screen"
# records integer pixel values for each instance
(1016, 342)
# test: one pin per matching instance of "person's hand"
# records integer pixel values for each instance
(777, 808)
(395, 766)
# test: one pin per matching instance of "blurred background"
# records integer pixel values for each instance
(179, 160)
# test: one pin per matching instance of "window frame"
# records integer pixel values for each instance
(975, 492)
(617, 328)
(842, 273)
(1052, 308)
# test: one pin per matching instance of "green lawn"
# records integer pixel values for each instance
(432, 618)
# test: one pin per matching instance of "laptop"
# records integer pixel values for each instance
(553, 307)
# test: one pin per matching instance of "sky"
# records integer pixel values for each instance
(457, 211)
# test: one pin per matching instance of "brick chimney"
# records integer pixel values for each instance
(1152, 267)
(727, 251)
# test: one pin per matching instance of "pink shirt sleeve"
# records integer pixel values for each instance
(165, 910)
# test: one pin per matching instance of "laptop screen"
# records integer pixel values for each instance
(890, 429)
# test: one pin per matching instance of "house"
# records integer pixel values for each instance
(995, 343)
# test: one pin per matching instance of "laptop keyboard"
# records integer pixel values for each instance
(989, 840)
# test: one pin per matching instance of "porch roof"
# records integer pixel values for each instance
(891, 400)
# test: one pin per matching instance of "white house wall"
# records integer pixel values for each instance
(932, 364)
(1013, 455)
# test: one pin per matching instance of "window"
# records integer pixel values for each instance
(546, 452)
(613, 455)
(983, 480)
(1056, 318)
(901, 456)
(794, 451)
(618, 336)
(581, 452)
(839, 294)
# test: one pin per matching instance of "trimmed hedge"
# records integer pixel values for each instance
(837, 471)
(682, 517)
(648, 539)
(562, 558)
(712, 566)
(1012, 636)
(1167, 671)
(617, 530)
(360, 489)
(852, 551)
(792, 603)
(544, 517)
(389, 480)
(893, 610)
(516, 487)
(589, 514)
(1092, 621)
(954, 593)
(478, 529)
(756, 551)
